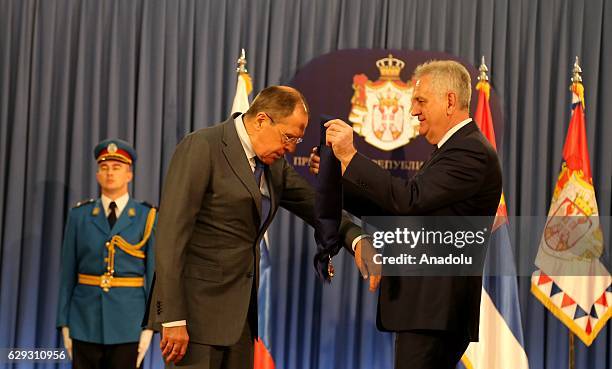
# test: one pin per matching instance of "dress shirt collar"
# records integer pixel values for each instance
(121, 204)
(245, 140)
(452, 131)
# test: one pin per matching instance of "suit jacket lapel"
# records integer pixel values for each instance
(430, 159)
(124, 219)
(99, 219)
(463, 131)
(236, 158)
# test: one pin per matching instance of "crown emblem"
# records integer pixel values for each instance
(584, 205)
(380, 109)
(388, 100)
(390, 67)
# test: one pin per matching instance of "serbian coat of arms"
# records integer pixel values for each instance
(381, 109)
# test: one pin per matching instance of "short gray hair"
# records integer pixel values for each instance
(448, 75)
(278, 101)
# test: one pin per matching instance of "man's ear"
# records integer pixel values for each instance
(260, 118)
(451, 103)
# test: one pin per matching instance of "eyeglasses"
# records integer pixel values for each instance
(284, 137)
(290, 139)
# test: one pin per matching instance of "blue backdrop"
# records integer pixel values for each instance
(75, 72)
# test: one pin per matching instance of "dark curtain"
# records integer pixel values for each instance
(75, 72)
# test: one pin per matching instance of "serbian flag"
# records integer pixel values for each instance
(500, 334)
(571, 282)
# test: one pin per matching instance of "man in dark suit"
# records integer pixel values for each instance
(223, 187)
(435, 317)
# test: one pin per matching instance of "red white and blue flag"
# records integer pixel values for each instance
(263, 354)
(500, 334)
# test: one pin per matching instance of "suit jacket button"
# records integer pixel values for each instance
(249, 275)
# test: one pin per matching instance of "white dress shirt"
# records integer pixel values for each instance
(121, 203)
(245, 140)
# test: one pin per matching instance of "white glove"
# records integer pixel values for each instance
(67, 341)
(143, 345)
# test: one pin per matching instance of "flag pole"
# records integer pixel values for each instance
(482, 75)
(576, 78)
(241, 63)
(244, 85)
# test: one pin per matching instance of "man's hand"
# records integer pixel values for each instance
(364, 259)
(314, 161)
(174, 343)
(143, 345)
(67, 341)
(339, 137)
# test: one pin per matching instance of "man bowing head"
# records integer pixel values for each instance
(223, 187)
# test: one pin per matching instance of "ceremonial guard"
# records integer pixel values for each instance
(107, 268)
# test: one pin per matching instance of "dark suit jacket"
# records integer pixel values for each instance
(208, 233)
(463, 177)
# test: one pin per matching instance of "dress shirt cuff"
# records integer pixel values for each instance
(177, 323)
(358, 238)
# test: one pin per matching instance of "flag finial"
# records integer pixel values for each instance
(241, 63)
(576, 77)
(483, 71)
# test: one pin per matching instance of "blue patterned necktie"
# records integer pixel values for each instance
(265, 200)
(259, 169)
(262, 325)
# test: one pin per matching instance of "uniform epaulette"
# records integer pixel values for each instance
(148, 205)
(84, 202)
